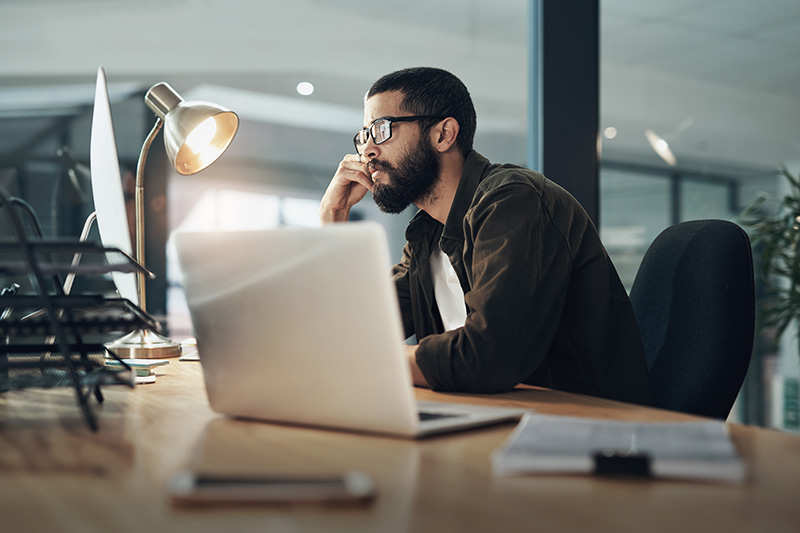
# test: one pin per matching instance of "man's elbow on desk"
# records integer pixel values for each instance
(474, 382)
(416, 374)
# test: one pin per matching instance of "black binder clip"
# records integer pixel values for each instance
(621, 463)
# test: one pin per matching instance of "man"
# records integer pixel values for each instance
(503, 279)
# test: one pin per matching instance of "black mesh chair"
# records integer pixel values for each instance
(694, 301)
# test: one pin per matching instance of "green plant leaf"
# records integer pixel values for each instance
(773, 223)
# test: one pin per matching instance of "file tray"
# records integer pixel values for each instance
(44, 371)
(57, 257)
(76, 315)
(28, 357)
(50, 338)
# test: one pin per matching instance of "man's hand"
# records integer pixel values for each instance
(348, 187)
(416, 374)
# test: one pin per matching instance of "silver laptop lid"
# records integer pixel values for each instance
(300, 325)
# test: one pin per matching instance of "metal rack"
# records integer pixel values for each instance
(51, 338)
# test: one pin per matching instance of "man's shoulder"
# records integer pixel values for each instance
(522, 190)
(481, 176)
(498, 175)
(498, 179)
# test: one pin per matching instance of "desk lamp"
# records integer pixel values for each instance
(195, 135)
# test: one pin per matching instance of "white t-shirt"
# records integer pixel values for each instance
(447, 290)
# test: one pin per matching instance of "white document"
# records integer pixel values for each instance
(543, 444)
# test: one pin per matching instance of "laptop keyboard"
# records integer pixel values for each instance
(428, 415)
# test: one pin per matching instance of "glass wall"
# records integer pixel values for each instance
(634, 208)
(698, 112)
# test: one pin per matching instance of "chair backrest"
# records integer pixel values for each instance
(694, 301)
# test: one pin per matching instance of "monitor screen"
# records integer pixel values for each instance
(109, 201)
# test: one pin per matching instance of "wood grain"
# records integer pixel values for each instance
(56, 475)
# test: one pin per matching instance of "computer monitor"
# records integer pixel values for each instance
(109, 200)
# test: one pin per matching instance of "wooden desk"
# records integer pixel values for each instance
(55, 475)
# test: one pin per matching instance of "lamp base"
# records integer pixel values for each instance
(144, 344)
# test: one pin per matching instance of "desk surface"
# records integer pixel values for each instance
(55, 475)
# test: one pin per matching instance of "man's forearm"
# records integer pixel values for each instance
(416, 374)
(330, 216)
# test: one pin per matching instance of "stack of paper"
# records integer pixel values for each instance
(143, 368)
(544, 444)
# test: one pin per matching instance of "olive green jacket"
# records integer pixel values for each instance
(545, 305)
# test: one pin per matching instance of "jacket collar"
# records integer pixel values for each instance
(422, 223)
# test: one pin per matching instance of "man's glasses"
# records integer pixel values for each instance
(381, 130)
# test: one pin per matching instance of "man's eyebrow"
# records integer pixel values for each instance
(372, 122)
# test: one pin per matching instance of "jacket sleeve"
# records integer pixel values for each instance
(518, 264)
(400, 276)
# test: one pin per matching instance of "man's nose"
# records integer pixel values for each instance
(370, 150)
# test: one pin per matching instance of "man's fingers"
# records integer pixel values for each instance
(351, 170)
(361, 179)
(354, 162)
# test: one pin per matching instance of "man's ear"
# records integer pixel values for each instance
(443, 135)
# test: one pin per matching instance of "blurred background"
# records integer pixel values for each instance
(714, 80)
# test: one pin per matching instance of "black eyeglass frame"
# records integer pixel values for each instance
(369, 134)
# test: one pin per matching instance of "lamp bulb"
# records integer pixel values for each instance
(201, 137)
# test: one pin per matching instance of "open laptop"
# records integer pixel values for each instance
(302, 326)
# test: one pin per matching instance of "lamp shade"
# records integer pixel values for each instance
(195, 133)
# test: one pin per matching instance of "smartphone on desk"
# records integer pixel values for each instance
(193, 488)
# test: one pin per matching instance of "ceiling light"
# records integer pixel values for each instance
(305, 88)
(661, 147)
(610, 132)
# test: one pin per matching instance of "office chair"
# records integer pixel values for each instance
(694, 301)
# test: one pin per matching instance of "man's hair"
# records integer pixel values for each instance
(433, 91)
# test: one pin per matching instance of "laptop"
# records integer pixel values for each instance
(302, 326)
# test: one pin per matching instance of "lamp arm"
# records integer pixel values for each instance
(139, 220)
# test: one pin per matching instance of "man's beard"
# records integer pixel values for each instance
(412, 181)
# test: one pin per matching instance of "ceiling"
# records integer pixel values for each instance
(749, 44)
(717, 78)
